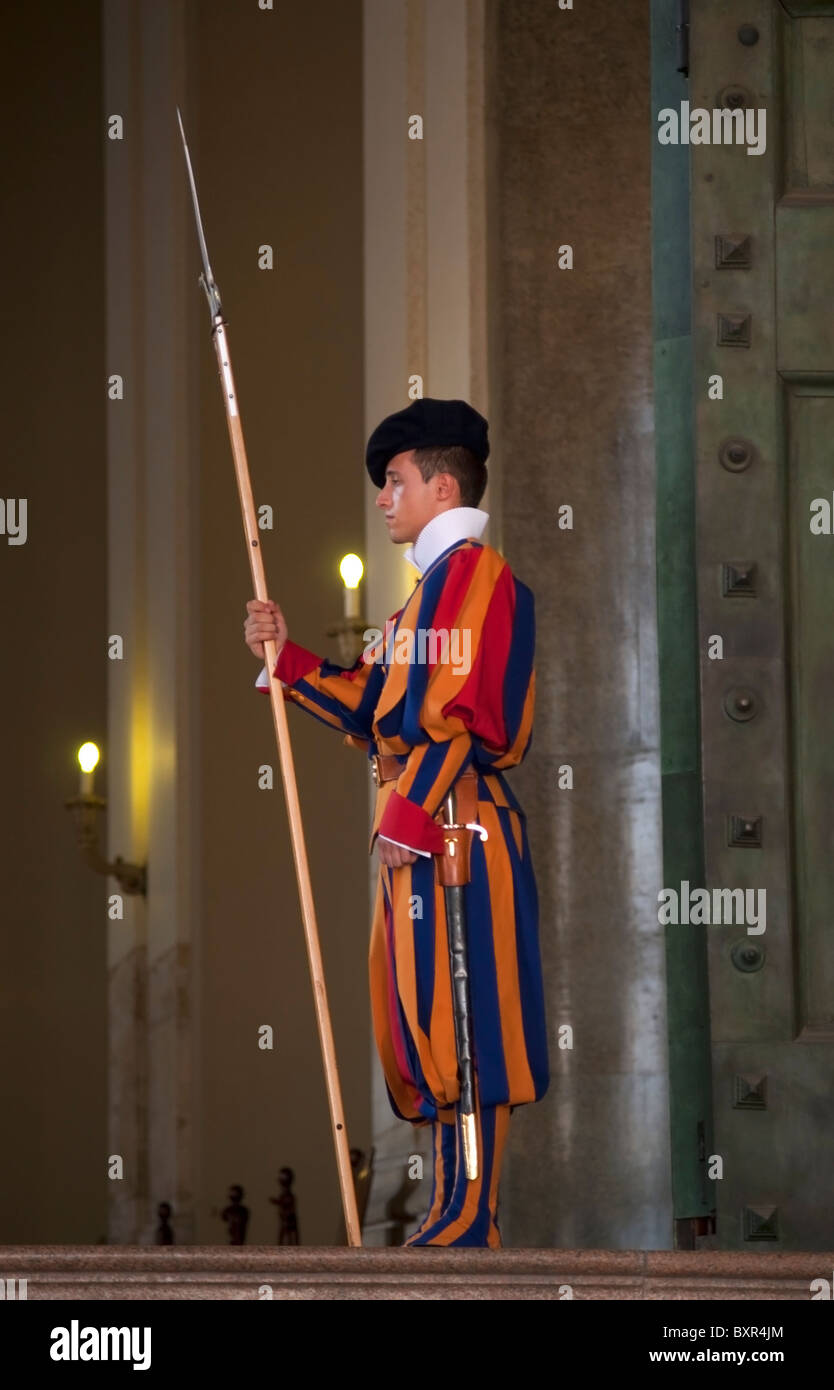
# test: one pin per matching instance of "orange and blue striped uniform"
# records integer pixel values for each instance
(440, 720)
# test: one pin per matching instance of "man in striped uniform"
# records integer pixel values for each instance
(443, 699)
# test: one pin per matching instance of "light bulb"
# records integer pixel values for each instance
(351, 569)
(88, 756)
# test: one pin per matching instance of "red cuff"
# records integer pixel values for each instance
(295, 662)
(407, 822)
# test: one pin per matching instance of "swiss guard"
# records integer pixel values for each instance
(442, 704)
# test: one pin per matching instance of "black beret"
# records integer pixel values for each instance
(426, 424)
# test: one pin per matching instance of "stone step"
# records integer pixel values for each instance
(257, 1272)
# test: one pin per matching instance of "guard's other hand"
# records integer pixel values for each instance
(265, 622)
(394, 856)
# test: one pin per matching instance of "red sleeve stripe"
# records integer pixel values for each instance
(295, 662)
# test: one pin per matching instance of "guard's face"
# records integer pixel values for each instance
(407, 501)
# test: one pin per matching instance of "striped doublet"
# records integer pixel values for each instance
(440, 718)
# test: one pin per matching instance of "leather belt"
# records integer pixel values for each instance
(385, 767)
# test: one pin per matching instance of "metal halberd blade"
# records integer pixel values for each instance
(207, 280)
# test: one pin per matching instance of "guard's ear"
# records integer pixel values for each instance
(447, 485)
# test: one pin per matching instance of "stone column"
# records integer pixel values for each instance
(425, 308)
(568, 104)
(151, 467)
(216, 954)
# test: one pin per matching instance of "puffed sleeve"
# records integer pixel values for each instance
(470, 698)
(343, 697)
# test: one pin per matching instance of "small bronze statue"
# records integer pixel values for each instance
(164, 1231)
(285, 1202)
(236, 1216)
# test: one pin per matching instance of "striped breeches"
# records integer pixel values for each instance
(463, 1212)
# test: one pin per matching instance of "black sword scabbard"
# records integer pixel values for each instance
(457, 849)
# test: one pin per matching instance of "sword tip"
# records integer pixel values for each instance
(182, 127)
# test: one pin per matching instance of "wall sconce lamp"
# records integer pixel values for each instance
(86, 807)
(351, 627)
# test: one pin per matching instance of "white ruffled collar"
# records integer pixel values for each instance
(456, 524)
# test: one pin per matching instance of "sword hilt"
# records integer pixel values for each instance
(453, 865)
